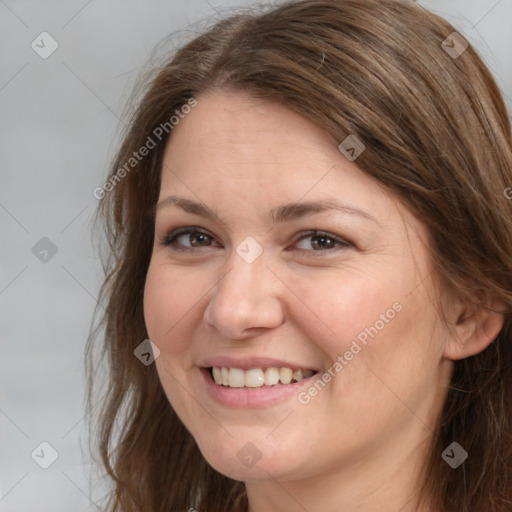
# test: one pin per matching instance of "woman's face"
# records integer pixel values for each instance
(295, 262)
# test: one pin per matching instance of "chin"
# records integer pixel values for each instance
(247, 463)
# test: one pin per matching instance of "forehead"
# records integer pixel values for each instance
(231, 139)
(242, 132)
(237, 153)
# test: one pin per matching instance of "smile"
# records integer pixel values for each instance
(257, 377)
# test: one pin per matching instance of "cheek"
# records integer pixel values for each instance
(341, 307)
(370, 326)
(170, 312)
(169, 303)
(377, 336)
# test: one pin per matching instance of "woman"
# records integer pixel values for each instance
(307, 219)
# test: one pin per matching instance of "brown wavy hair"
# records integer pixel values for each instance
(437, 133)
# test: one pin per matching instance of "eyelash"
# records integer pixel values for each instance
(170, 241)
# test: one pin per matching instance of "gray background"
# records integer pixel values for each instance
(59, 129)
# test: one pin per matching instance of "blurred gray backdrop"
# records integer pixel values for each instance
(67, 71)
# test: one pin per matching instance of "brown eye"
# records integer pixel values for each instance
(319, 241)
(188, 238)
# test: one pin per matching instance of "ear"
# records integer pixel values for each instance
(477, 326)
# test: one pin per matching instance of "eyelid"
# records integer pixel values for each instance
(174, 234)
(343, 243)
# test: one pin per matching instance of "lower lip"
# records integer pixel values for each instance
(252, 397)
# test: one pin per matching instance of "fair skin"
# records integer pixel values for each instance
(359, 443)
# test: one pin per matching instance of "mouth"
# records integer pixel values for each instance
(257, 378)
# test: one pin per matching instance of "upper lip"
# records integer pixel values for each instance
(247, 363)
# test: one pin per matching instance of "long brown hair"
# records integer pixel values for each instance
(437, 133)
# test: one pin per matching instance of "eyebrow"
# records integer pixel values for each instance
(279, 214)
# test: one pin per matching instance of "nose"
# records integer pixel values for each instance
(246, 300)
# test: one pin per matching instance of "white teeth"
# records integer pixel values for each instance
(271, 376)
(217, 375)
(257, 377)
(254, 378)
(297, 375)
(236, 378)
(285, 375)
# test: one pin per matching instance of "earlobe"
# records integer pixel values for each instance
(475, 329)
